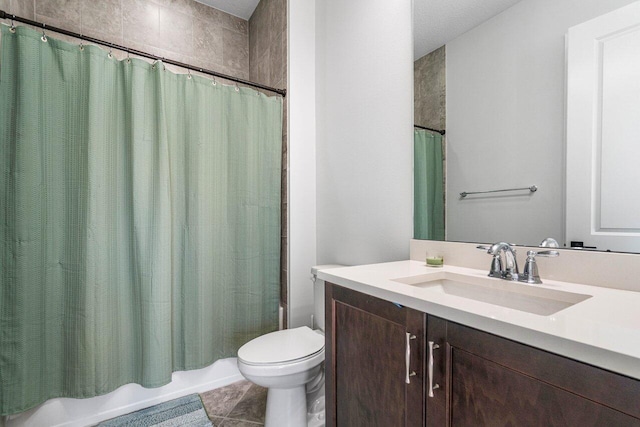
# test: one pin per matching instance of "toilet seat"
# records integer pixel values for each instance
(289, 346)
(288, 362)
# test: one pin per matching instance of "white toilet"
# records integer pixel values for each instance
(290, 364)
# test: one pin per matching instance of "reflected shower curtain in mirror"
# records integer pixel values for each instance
(428, 186)
(140, 220)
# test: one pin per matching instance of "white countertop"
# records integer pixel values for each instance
(603, 330)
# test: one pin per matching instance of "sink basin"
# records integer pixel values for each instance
(503, 293)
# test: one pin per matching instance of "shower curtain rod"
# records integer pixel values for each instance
(5, 15)
(440, 131)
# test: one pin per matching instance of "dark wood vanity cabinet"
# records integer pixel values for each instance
(485, 380)
(367, 359)
(478, 379)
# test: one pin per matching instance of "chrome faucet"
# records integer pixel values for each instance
(530, 274)
(510, 270)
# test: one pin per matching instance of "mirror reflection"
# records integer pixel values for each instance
(505, 91)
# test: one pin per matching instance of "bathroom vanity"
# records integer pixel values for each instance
(368, 368)
(410, 345)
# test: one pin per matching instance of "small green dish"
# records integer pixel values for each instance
(435, 261)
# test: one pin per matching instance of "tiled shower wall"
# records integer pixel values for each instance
(429, 90)
(183, 30)
(430, 94)
(430, 99)
(186, 31)
(268, 65)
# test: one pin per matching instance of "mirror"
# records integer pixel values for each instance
(500, 91)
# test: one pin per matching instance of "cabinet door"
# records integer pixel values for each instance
(367, 361)
(484, 393)
(437, 377)
(490, 380)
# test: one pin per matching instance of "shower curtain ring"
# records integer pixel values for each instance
(110, 54)
(44, 36)
(237, 88)
(128, 58)
(214, 82)
(81, 46)
(13, 27)
(189, 74)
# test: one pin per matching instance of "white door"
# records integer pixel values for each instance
(603, 131)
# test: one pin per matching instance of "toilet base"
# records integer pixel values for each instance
(316, 413)
(286, 407)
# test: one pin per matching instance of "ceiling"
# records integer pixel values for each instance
(240, 8)
(436, 22)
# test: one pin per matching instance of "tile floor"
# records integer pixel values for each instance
(241, 404)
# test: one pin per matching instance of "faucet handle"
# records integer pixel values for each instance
(496, 263)
(496, 266)
(530, 274)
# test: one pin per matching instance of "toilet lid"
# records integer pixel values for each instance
(282, 346)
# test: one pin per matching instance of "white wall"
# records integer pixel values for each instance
(364, 76)
(350, 138)
(302, 159)
(505, 120)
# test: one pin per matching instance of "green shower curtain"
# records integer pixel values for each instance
(139, 220)
(428, 186)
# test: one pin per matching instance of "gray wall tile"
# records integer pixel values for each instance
(277, 60)
(62, 10)
(253, 65)
(23, 8)
(207, 13)
(235, 50)
(59, 13)
(267, 42)
(141, 21)
(258, 40)
(429, 87)
(186, 7)
(276, 19)
(234, 23)
(102, 19)
(263, 70)
(207, 41)
(175, 31)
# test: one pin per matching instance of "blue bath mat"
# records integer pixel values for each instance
(186, 411)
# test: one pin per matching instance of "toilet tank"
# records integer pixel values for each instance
(318, 295)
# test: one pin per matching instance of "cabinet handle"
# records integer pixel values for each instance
(408, 358)
(432, 386)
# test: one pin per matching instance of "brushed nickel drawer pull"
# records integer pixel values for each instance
(408, 358)
(432, 386)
